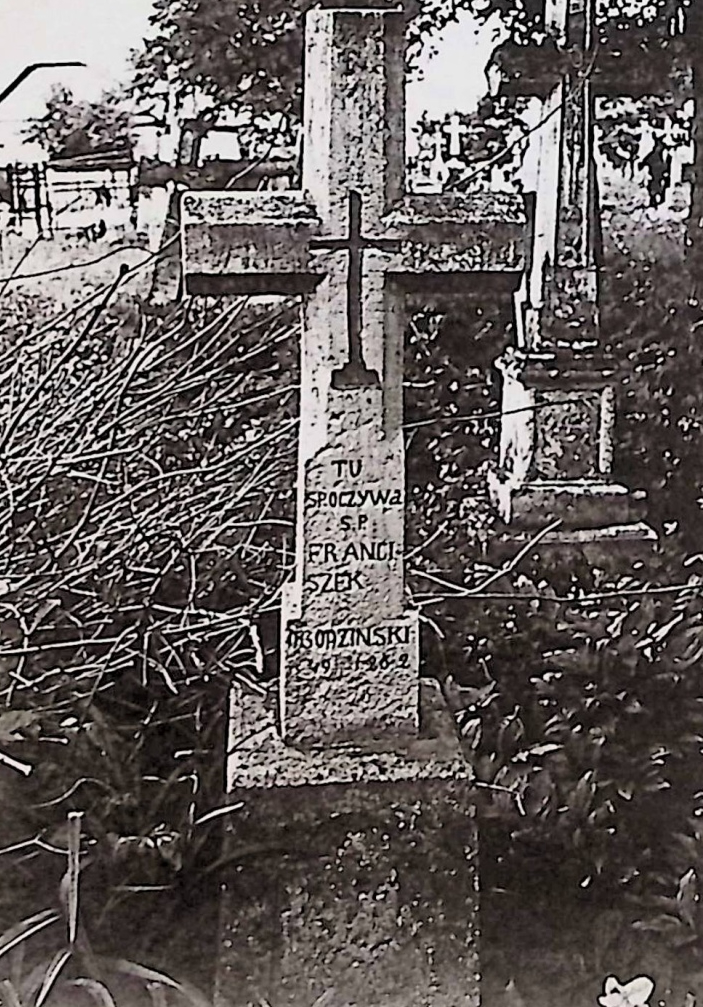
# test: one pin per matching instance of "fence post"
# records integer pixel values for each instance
(36, 186)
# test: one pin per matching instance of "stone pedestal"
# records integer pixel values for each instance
(559, 384)
(352, 876)
(556, 452)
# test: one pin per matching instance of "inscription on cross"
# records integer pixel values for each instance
(353, 244)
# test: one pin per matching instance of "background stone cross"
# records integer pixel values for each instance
(455, 130)
(349, 648)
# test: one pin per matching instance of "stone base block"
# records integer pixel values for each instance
(598, 519)
(351, 877)
(580, 504)
(604, 547)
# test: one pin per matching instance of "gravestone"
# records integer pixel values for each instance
(354, 244)
(455, 131)
(559, 381)
(352, 855)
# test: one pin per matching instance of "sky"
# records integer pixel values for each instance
(97, 32)
(101, 33)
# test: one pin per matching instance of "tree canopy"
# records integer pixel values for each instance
(251, 53)
(70, 126)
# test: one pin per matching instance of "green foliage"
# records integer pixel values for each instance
(149, 522)
(250, 54)
(72, 965)
(74, 975)
(70, 127)
(651, 326)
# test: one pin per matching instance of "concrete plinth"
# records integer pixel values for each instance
(556, 453)
(352, 874)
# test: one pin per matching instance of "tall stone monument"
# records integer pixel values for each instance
(352, 857)
(559, 380)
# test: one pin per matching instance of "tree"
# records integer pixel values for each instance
(70, 127)
(251, 52)
(247, 53)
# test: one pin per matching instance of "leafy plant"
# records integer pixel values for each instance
(144, 546)
(73, 966)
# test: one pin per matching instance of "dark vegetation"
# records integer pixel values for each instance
(71, 127)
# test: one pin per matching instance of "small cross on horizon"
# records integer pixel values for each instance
(455, 130)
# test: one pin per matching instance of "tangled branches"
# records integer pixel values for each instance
(140, 503)
(146, 508)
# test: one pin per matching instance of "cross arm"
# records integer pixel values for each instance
(457, 233)
(264, 242)
(248, 242)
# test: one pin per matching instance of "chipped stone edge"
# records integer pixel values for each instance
(257, 758)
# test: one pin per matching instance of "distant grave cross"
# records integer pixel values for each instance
(455, 130)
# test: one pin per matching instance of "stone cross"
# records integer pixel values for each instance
(431, 171)
(350, 793)
(559, 384)
(455, 129)
(353, 243)
(560, 303)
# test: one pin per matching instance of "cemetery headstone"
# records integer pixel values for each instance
(455, 130)
(354, 245)
(354, 795)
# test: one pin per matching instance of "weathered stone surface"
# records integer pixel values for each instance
(258, 757)
(581, 505)
(352, 877)
(559, 388)
(354, 138)
(355, 274)
(227, 236)
(556, 450)
(567, 434)
(606, 547)
(349, 679)
(558, 417)
(349, 649)
(253, 233)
